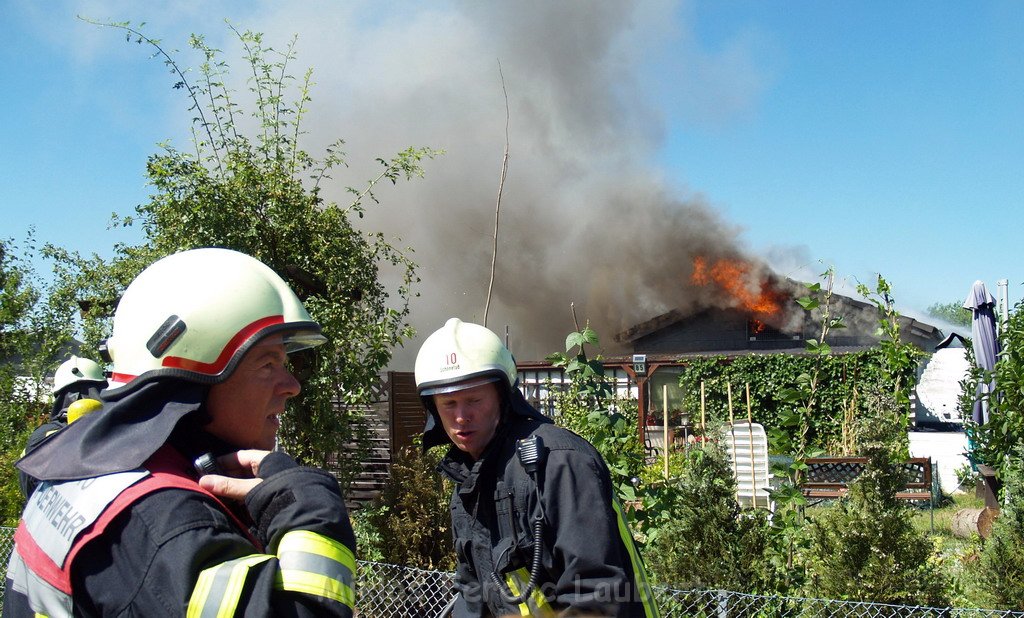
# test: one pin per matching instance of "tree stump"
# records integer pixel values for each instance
(967, 522)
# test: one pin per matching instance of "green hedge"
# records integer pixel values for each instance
(845, 383)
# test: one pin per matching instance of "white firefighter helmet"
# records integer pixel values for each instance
(461, 355)
(194, 314)
(74, 370)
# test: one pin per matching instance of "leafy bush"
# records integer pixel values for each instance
(993, 442)
(11, 499)
(409, 524)
(998, 575)
(588, 406)
(33, 335)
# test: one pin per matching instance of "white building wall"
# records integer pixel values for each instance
(938, 388)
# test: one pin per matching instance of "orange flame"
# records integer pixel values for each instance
(733, 278)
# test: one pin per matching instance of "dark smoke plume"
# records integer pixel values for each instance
(586, 216)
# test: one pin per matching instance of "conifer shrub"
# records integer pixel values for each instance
(865, 547)
(704, 541)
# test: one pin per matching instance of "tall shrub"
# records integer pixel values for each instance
(409, 524)
(705, 541)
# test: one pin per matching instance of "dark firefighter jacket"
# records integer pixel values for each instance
(588, 563)
(178, 551)
(44, 431)
(175, 551)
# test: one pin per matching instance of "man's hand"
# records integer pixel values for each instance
(239, 478)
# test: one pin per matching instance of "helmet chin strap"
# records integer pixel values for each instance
(506, 406)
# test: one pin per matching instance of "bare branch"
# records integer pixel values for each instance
(169, 61)
(497, 206)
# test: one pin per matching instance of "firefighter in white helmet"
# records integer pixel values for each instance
(537, 528)
(76, 382)
(170, 502)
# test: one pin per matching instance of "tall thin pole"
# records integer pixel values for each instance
(1004, 302)
(750, 435)
(664, 403)
(497, 205)
(703, 424)
(732, 433)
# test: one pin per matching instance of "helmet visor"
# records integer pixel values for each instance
(442, 389)
(295, 341)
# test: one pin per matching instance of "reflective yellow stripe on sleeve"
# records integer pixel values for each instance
(217, 592)
(316, 565)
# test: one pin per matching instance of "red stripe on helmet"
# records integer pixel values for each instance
(227, 353)
(122, 378)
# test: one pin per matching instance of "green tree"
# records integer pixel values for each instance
(32, 338)
(994, 442)
(247, 185)
(953, 312)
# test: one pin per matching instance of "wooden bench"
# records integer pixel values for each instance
(830, 477)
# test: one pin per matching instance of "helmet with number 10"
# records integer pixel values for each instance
(462, 355)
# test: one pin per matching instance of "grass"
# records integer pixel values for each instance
(945, 512)
(952, 553)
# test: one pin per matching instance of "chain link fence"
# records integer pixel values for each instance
(390, 591)
(725, 604)
(6, 546)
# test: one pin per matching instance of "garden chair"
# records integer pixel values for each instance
(747, 445)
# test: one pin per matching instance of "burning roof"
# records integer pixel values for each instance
(749, 307)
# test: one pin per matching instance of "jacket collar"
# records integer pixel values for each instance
(131, 426)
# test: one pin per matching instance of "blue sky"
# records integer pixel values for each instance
(887, 138)
(877, 137)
